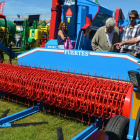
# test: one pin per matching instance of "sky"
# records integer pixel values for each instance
(43, 7)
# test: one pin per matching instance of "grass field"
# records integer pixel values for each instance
(40, 132)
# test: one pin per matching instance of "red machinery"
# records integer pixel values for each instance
(94, 96)
(55, 19)
(87, 95)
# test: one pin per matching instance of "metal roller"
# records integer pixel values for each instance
(93, 96)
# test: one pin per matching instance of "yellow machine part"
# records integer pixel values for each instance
(3, 30)
(46, 29)
(35, 33)
(35, 44)
(136, 105)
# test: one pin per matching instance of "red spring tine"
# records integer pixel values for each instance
(122, 78)
(59, 111)
(88, 121)
(71, 114)
(26, 64)
(4, 97)
(80, 72)
(127, 79)
(64, 69)
(39, 66)
(54, 109)
(28, 103)
(65, 113)
(102, 105)
(103, 124)
(107, 76)
(8, 97)
(43, 108)
(68, 71)
(48, 67)
(101, 75)
(53, 67)
(87, 73)
(94, 74)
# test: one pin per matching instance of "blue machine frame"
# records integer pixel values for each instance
(7, 51)
(113, 65)
(100, 64)
(6, 121)
(82, 61)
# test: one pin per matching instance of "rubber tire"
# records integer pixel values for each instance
(117, 128)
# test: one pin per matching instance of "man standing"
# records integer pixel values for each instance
(106, 36)
(131, 31)
(18, 40)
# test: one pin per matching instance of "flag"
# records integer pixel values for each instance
(96, 1)
(18, 15)
(2, 7)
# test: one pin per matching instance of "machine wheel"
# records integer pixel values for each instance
(117, 128)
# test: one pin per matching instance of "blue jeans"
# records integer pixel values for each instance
(18, 43)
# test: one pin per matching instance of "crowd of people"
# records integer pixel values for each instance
(108, 37)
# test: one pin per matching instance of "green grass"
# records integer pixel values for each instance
(40, 132)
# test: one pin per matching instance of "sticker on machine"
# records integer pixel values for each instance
(69, 2)
(68, 15)
(79, 53)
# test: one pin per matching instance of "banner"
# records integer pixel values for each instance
(2, 7)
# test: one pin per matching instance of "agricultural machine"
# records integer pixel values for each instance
(34, 36)
(7, 32)
(95, 84)
(11, 30)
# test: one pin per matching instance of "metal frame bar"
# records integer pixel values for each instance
(89, 131)
(5, 122)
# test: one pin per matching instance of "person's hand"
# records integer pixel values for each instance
(135, 54)
(118, 45)
(68, 37)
